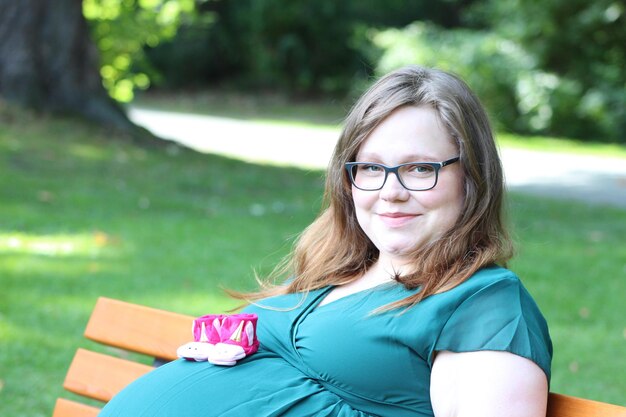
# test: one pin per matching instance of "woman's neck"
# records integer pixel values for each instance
(373, 277)
(390, 267)
(379, 273)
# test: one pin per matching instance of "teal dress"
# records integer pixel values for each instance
(340, 360)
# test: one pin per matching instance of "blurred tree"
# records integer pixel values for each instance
(48, 61)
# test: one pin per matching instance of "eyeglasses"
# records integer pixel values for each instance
(414, 176)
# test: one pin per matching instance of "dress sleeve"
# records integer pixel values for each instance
(501, 316)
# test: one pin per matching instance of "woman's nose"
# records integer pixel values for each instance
(393, 190)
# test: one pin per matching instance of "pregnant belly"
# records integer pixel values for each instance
(264, 385)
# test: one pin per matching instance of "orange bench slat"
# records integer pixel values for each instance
(98, 376)
(560, 405)
(68, 408)
(146, 330)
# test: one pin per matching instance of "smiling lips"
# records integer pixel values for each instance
(396, 219)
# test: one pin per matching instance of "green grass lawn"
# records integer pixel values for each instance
(86, 214)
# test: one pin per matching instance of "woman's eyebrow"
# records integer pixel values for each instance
(375, 157)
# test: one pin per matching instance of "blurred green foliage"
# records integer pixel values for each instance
(269, 43)
(489, 63)
(552, 67)
(302, 46)
(582, 44)
(122, 28)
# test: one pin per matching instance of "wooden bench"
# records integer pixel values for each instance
(158, 333)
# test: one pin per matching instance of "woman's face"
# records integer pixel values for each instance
(395, 219)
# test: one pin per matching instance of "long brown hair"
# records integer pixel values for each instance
(333, 250)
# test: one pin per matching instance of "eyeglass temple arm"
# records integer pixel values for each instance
(450, 161)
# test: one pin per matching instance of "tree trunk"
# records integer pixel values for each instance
(49, 62)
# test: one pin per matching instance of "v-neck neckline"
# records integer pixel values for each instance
(319, 303)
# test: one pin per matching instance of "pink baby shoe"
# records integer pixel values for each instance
(221, 339)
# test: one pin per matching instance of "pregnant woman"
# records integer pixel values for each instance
(396, 300)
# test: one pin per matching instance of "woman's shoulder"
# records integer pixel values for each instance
(489, 278)
(489, 290)
(493, 279)
(492, 274)
(497, 285)
(492, 291)
(493, 310)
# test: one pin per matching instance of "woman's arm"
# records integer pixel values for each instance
(487, 384)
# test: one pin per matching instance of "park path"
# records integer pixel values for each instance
(593, 179)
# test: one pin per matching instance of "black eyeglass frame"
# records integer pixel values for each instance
(436, 166)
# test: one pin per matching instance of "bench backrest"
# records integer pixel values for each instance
(131, 328)
(158, 333)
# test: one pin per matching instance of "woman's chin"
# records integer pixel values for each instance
(399, 253)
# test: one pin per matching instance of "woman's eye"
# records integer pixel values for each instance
(371, 168)
(419, 169)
